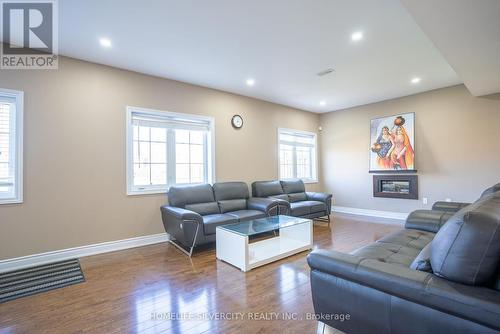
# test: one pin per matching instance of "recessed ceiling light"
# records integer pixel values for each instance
(105, 42)
(357, 36)
(415, 80)
(325, 72)
(322, 103)
(250, 82)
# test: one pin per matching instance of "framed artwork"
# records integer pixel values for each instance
(392, 144)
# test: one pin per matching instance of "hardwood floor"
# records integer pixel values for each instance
(136, 290)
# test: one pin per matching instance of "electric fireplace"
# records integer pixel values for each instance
(395, 186)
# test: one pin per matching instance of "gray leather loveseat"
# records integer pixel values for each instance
(194, 211)
(294, 200)
(427, 278)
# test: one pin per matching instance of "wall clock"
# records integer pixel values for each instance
(237, 122)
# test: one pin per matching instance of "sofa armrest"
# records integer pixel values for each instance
(448, 206)
(321, 197)
(180, 213)
(477, 304)
(180, 223)
(427, 220)
(267, 205)
(283, 205)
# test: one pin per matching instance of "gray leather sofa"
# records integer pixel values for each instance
(194, 211)
(295, 201)
(427, 278)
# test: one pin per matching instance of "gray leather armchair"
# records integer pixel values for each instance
(195, 211)
(294, 200)
(307, 204)
(427, 278)
(272, 189)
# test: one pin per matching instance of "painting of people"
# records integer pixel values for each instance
(392, 141)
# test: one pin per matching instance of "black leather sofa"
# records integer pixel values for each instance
(427, 278)
(194, 211)
(294, 200)
(442, 211)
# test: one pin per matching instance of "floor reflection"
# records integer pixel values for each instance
(290, 278)
(177, 309)
(233, 290)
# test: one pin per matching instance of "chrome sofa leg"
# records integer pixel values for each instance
(325, 329)
(271, 209)
(326, 220)
(178, 246)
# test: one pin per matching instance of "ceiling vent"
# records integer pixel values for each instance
(325, 72)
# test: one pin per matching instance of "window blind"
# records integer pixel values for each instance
(169, 122)
(7, 147)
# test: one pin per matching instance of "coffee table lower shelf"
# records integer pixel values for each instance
(236, 250)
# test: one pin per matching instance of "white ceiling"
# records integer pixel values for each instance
(468, 35)
(282, 44)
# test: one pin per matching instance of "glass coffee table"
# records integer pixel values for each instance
(234, 247)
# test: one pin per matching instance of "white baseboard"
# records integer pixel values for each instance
(371, 213)
(77, 252)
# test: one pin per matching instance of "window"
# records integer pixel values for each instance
(297, 155)
(11, 141)
(165, 148)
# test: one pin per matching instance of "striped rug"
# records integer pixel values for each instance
(28, 281)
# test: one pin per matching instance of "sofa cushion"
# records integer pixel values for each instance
(467, 248)
(389, 253)
(230, 190)
(179, 196)
(300, 209)
(266, 188)
(283, 197)
(409, 238)
(243, 215)
(297, 197)
(316, 206)
(401, 247)
(293, 186)
(231, 196)
(203, 208)
(304, 208)
(232, 205)
(210, 222)
(423, 260)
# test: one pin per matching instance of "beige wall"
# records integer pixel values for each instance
(74, 152)
(457, 148)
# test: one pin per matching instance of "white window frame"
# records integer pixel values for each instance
(17, 138)
(154, 189)
(314, 159)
